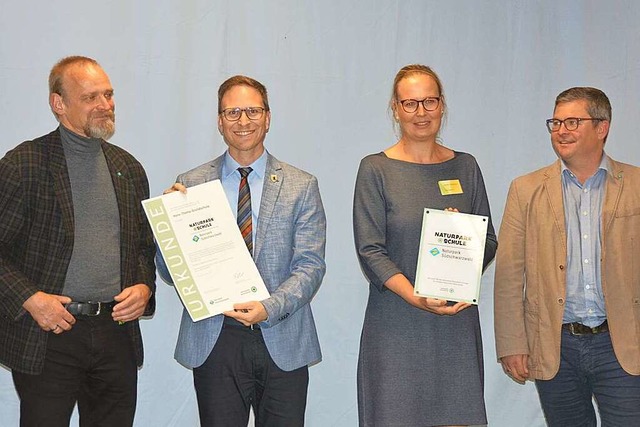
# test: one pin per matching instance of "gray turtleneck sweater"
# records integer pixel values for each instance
(94, 270)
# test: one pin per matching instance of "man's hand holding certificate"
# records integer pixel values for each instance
(451, 255)
(204, 251)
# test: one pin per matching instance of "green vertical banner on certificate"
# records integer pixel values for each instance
(175, 259)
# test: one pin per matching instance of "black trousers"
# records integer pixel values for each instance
(240, 374)
(94, 365)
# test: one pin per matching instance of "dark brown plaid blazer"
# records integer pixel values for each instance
(36, 239)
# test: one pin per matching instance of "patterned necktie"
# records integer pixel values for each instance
(244, 208)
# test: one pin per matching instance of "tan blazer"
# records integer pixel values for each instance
(530, 268)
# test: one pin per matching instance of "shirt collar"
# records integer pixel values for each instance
(229, 165)
(604, 164)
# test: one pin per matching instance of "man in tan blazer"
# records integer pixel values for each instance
(567, 286)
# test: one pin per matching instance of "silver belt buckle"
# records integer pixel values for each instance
(97, 313)
(572, 329)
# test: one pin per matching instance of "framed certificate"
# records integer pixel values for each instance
(203, 249)
(451, 255)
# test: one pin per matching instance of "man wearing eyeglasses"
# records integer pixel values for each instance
(567, 285)
(257, 355)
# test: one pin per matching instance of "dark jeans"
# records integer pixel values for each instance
(94, 365)
(240, 374)
(589, 368)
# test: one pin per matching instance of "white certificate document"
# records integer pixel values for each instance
(451, 255)
(205, 253)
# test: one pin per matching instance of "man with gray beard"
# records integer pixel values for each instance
(76, 260)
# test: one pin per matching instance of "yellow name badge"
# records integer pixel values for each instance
(449, 187)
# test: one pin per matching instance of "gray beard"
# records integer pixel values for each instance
(103, 131)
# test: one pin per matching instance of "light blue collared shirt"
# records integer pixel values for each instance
(230, 178)
(582, 215)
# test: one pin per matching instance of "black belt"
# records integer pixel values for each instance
(580, 329)
(90, 308)
(230, 321)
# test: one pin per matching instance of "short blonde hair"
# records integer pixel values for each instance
(56, 76)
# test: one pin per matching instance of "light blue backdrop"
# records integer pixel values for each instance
(328, 66)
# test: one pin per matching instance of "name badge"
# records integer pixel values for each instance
(451, 186)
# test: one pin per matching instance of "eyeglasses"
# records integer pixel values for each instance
(570, 123)
(411, 105)
(234, 114)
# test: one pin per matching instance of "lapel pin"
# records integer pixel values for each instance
(274, 178)
(119, 173)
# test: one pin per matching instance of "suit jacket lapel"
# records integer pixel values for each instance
(553, 186)
(61, 182)
(612, 192)
(121, 186)
(273, 180)
(216, 169)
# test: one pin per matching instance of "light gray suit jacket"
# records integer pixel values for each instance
(289, 254)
